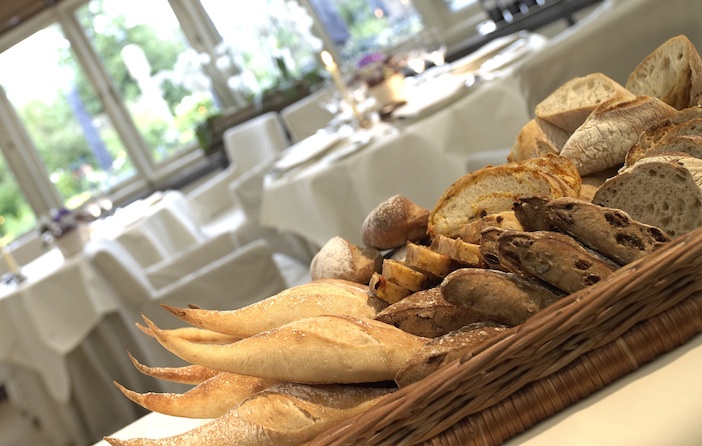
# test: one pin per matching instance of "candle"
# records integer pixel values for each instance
(333, 70)
(9, 259)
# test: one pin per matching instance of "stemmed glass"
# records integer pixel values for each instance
(433, 47)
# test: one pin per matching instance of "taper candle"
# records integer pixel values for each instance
(333, 70)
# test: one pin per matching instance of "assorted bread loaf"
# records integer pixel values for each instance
(602, 176)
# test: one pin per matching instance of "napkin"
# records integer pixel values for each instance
(430, 95)
(307, 150)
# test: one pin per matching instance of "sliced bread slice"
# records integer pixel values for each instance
(571, 103)
(495, 189)
(663, 191)
(537, 137)
(672, 73)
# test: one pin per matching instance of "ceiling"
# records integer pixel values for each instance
(14, 12)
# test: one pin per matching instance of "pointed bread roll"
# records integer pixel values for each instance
(671, 73)
(283, 415)
(570, 104)
(662, 191)
(328, 296)
(315, 350)
(611, 130)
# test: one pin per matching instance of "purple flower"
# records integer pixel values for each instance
(372, 58)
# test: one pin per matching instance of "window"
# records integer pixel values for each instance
(105, 96)
(65, 121)
(158, 76)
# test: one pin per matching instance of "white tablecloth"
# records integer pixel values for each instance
(419, 161)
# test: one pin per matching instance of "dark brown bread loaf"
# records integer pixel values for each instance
(426, 313)
(611, 232)
(445, 349)
(531, 213)
(555, 258)
(489, 251)
(498, 296)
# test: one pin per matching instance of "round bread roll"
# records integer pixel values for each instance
(394, 222)
(341, 259)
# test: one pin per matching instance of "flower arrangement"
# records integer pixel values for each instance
(375, 68)
(61, 222)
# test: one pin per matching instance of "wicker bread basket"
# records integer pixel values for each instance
(564, 353)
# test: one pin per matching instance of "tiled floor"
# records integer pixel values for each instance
(16, 430)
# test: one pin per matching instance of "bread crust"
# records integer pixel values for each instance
(394, 222)
(341, 259)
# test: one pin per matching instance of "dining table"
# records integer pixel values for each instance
(62, 338)
(326, 184)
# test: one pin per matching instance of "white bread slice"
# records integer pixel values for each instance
(671, 73)
(495, 189)
(537, 137)
(571, 103)
(603, 141)
(663, 191)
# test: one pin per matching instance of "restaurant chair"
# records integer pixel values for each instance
(304, 117)
(239, 278)
(250, 146)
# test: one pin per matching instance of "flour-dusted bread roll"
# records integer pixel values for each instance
(613, 128)
(671, 73)
(446, 349)
(495, 189)
(394, 222)
(538, 137)
(325, 296)
(341, 259)
(426, 313)
(315, 350)
(283, 415)
(662, 191)
(570, 104)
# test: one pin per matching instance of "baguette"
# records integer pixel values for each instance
(283, 415)
(662, 191)
(426, 313)
(210, 399)
(192, 374)
(611, 130)
(497, 296)
(318, 297)
(554, 258)
(394, 222)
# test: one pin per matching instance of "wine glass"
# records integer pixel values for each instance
(433, 46)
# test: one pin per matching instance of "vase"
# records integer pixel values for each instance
(72, 242)
(391, 91)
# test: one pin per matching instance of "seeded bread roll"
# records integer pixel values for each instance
(498, 296)
(571, 103)
(554, 258)
(341, 259)
(448, 348)
(672, 73)
(426, 313)
(662, 191)
(394, 222)
(611, 232)
(611, 130)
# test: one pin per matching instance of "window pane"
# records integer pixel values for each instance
(457, 5)
(265, 43)
(158, 76)
(64, 119)
(358, 27)
(16, 216)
